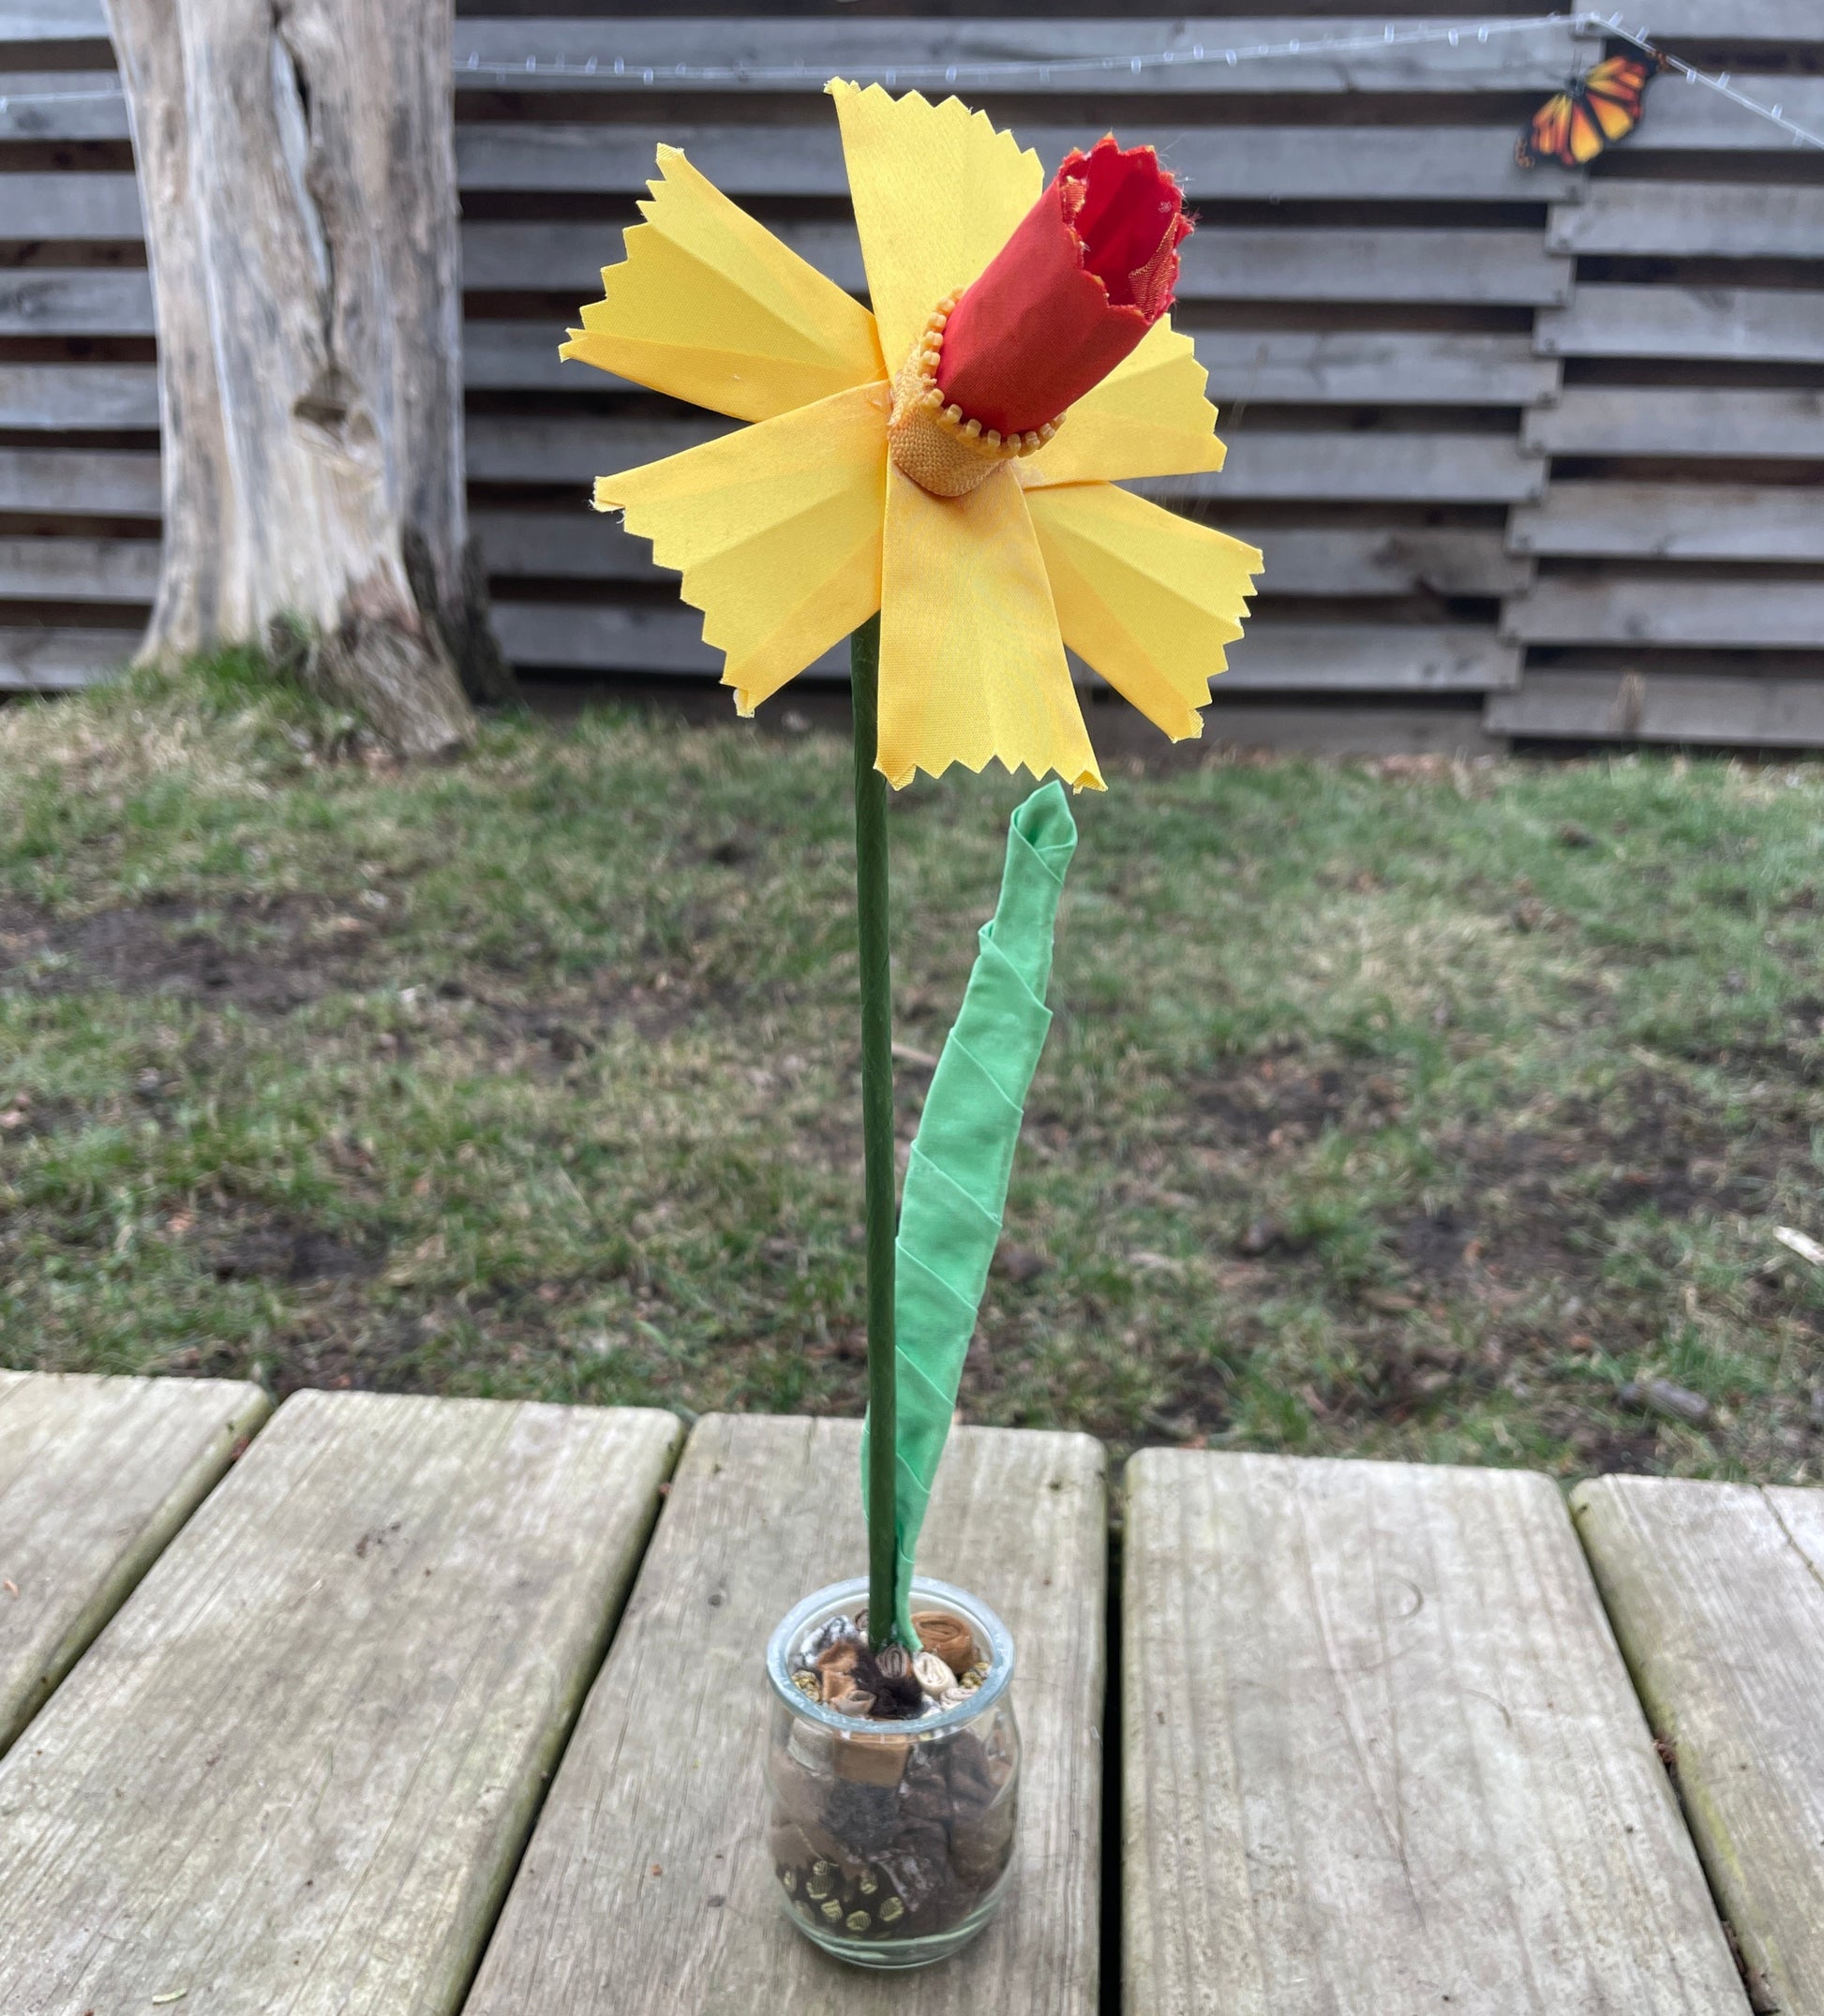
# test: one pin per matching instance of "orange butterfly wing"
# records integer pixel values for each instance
(1546, 132)
(1575, 125)
(1585, 140)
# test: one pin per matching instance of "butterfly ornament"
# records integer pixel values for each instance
(1592, 112)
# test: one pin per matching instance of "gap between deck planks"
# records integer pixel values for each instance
(647, 1886)
(296, 1770)
(1382, 1757)
(1717, 1595)
(95, 1476)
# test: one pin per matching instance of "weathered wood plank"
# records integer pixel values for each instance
(1692, 220)
(1285, 366)
(62, 105)
(1274, 656)
(84, 302)
(43, 660)
(1336, 729)
(1739, 21)
(1084, 55)
(1381, 1755)
(1684, 116)
(583, 545)
(95, 1476)
(1748, 324)
(60, 397)
(1652, 420)
(1461, 163)
(297, 1769)
(54, 20)
(616, 637)
(1472, 266)
(1368, 465)
(1663, 707)
(110, 483)
(1393, 658)
(69, 207)
(1672, 521)
(1421, 468)
(1263, 462)
(1373, 368)
(79, 570)
(1616, 609)
(1716, 1592)
(648, 1881)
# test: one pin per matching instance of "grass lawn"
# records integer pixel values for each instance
(1390, 1109)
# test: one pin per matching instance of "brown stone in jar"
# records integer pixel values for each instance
(872, 1763)
(948, 1636)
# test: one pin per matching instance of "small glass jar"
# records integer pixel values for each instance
(892, 1841)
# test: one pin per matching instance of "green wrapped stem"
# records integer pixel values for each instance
(955, 1190)
(874, 945)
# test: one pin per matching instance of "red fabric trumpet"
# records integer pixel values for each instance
(1090, 268)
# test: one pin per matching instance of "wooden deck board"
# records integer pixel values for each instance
(647, 1885)
(95, 1476)
(1716, 1592)
(295, 1771)
(1382, 1757)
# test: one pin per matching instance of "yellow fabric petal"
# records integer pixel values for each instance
(777, 532)
(938, 192)
(971, 662)
(709, 306)
(1145, 596)
(1148, 417)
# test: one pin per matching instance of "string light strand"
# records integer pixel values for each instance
(1392, 35)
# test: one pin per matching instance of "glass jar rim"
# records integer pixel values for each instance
(937, 1596)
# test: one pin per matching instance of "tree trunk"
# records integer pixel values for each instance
(297, 161)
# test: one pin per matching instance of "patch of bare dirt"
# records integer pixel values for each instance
(267, 955)
(278, 1249)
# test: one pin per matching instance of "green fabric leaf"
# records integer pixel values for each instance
(955, 1188)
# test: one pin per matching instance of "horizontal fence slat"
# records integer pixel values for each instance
(1692, 220)
(78, 395)
(1393, 658)
(1461, 163)
(105, 482)
(1686, 117)
(581, 545)
(1272, 657)
(1615, 609)
(1373, 367)
(1671, 521)
(1469, 267)
(1746, 324)
(52, 21)
(84, 302)
(1740, 20)
(72, 206)
(61, 105)
(1365, 466)
(1619, 419)
(747, 52)
(1663, 707)
(1263, 463)
(1393, 468)
(79, 570)
(62, 659)
(1283, 367)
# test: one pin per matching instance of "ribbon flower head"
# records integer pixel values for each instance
(949, 460)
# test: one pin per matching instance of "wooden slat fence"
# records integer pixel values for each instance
(1507, 438)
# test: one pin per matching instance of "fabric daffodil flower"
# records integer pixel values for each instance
(951, 459)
